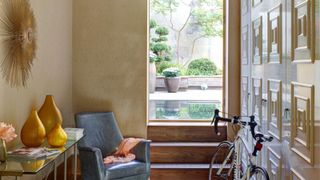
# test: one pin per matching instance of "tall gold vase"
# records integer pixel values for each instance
(33, 132)
(49, 114)
(3, 151)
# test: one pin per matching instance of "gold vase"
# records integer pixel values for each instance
(3, 151)
(33, 132)
(57, 136)
(49, 114)
(33, 165)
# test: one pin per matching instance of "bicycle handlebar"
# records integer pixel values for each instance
(234, 120)
(216, 119)
(259, 137)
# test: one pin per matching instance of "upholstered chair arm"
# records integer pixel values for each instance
(142, 151)
(92, 165)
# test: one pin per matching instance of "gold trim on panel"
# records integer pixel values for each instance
(257, 41)
(302, 130)
(257, 98)
(274, 109)
(274, 43)
(303, 31)
(272, 163)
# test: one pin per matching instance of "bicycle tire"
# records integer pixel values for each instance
(259, 173)
(221, 145)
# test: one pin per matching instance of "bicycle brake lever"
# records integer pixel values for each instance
(252, 125)
(216, 121)
(269, 139)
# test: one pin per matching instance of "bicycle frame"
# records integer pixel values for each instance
(237, 162)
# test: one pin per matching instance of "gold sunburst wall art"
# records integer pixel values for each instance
(18, 31)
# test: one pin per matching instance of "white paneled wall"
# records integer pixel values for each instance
(281, 82)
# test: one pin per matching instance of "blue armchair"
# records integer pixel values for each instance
(102, 137)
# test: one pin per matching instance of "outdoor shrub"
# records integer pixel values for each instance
(171, 72)
(202, 67)
(166, 64)
(201, 111)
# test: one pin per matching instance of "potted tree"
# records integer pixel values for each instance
(160, 51)
(152, 65)
(172, 79)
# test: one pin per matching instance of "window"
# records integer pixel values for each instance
(185, 59)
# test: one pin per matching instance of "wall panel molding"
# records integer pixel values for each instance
(274, 164)
(274, 43)
(303, 31)
(257, 98)
(245, 95)
(256, 2)
(257, 41)
(274, 110)
(302, 120)
(245, 45)
(244, 7)
(294, 175)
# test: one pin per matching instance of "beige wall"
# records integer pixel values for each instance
(52, 69)
(109, 63)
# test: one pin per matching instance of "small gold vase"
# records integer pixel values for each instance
(49, 114)
(3, 151)
(33, 133)
(33, 165)
(57, 136)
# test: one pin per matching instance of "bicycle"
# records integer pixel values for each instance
(234, 156)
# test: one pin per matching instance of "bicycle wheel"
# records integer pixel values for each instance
(220, 155)
(259, 173)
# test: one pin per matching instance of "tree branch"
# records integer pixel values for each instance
(187, 20)
(192, 51)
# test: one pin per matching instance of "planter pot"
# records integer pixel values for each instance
(172, 84)
(152, 77)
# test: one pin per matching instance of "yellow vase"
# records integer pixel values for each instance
(57, 136)
(33, 132)
(49, 114)
(32, 165)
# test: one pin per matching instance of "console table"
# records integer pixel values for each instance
(42, 167)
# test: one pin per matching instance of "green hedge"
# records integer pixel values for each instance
(166, 64)
(202, 67)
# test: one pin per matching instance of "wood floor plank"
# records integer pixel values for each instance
(186, 134)
(185, 153)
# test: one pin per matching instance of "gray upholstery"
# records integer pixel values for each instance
(102, 137)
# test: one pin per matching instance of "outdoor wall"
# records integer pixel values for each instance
(52, 68)
(110, 60)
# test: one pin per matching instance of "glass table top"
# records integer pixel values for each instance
(16, 166)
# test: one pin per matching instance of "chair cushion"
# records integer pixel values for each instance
(118, 170)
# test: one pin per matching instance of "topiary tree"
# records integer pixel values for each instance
(158, 46)
(202, 66)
